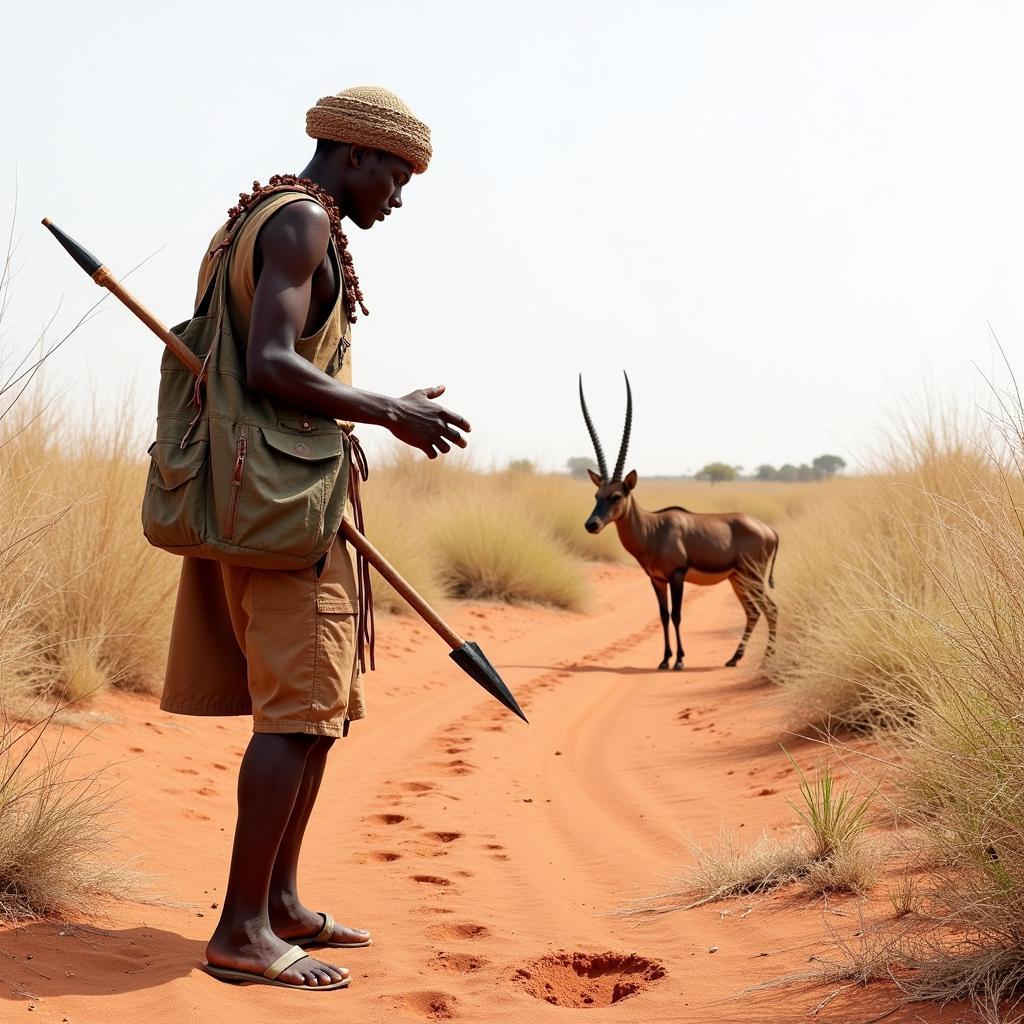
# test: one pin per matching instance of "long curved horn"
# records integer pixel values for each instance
(624, 447)
(601, 464)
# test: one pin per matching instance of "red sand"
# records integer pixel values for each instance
(488, 857)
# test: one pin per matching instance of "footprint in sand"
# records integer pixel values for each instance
(417, 787)
(427, 1005)
(136, 750)
(459, 931)
(196, 816)
(378, 857)
(586, 980)
(457, 963)
(443, 837)
(458, 767)
(430, 880)
(186, 771)
(385, 819)
(206, 791)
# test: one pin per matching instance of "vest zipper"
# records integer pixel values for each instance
(236, 489)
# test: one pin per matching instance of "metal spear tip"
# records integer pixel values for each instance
(77, 252)
(474, 663)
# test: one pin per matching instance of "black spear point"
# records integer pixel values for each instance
(474, 663)
(81, 256)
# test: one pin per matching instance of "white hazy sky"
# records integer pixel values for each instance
(780, 217)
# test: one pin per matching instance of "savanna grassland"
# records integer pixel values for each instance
(902, 620)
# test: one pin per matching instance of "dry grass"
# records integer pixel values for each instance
(84, 599)
(904, 611)
(829, 853)
(489, 550)
(55, 830)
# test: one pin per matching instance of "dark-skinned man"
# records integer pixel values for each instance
(281, 645)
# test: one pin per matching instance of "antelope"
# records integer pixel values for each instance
(674, 545)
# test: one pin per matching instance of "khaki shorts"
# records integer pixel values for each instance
(279, 645)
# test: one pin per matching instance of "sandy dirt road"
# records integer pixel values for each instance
(489, 858)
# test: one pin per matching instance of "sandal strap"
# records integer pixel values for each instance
(284, 961)
(328, 929)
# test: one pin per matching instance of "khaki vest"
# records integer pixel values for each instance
(334, 335)
(236, 476)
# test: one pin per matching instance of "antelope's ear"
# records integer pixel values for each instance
(597, 481)
(630, 481)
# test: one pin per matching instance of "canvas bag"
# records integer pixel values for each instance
(234, 475)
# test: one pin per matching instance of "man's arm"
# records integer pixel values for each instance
(292, 245)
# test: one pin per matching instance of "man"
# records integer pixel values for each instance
(281, 645)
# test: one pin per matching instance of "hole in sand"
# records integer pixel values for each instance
(458, 931)
(429, 1005)
(457, 963)
(431, 880)
(444, 837)
(587, 980)
(387, 819)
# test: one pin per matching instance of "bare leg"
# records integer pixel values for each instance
(661, 590)
(676, 584)
(742, 587)
(269, 781)
(288, 917)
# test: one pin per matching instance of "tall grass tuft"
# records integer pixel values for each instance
(501, 550)
(55, 830)
(905, 612)
(829, 853)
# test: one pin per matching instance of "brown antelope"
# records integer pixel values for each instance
(674, 545)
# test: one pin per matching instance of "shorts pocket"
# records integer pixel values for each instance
(334, 667)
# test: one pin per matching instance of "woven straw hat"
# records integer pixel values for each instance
(369, 115)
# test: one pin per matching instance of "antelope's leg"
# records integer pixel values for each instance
(771, 613)
(744, 589)
(661, 590)
(676, 585)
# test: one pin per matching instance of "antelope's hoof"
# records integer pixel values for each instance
(663, 667)
(677, 667)
(732, 662)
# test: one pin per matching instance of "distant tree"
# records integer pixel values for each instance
(521, 466)
(766, 472)
(805, 472)
(717, 472)
(579, 464)
(788, 473)
(828, 465)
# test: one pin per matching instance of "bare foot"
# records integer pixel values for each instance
(295, 922)
(255, 951)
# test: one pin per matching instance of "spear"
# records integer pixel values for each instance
(466, 654)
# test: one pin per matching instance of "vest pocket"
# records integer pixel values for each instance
(274, 495)
(173, 512)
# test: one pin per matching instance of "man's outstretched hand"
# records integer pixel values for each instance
(421, 423)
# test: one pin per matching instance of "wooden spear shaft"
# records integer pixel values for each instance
(465, 653)
(105, 279)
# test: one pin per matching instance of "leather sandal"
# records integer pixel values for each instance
(271, 976)
(321, 938)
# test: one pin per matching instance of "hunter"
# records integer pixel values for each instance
(282, 645)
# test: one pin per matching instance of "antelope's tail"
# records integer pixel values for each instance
(771, 571)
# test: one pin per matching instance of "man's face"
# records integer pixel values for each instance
(373, 185)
